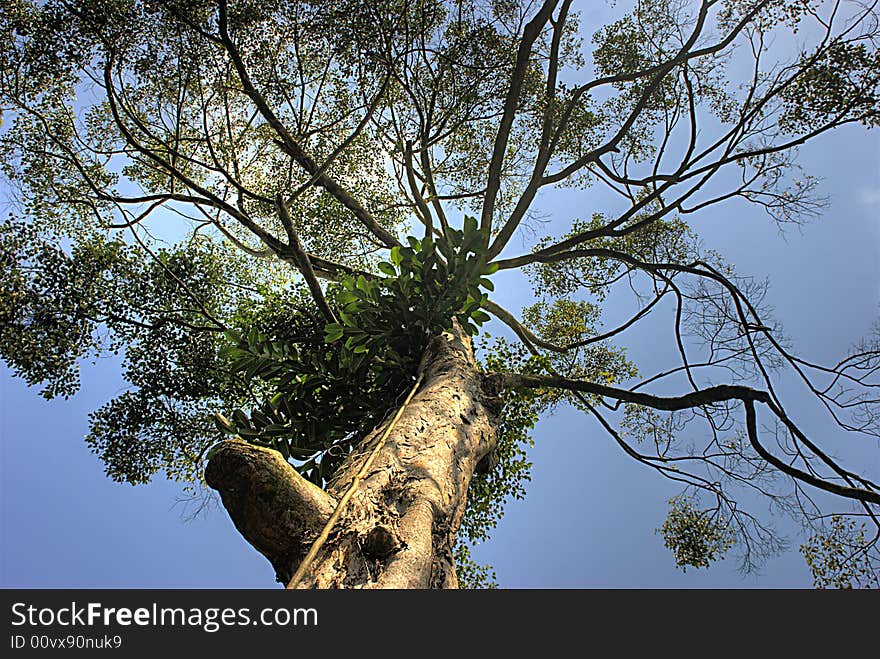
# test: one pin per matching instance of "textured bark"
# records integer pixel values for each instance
(276, 510)
(399, 528)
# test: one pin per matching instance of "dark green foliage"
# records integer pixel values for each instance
(324, 397)
(41, 44)
(428, 284)
(98, 296)
(50, 305)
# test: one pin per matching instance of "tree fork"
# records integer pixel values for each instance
(399, 527)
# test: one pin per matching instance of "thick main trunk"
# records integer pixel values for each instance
(399, 527)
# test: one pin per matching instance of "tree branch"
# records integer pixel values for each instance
(530, 34)
(302, 260)
(703, 397)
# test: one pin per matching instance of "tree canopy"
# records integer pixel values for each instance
(269, 208)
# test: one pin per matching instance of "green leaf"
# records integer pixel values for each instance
(223, 424)
(333, 332)
(480, 316)
(445, 248)
(387, 269)
(471, 241)
(260, 418)
(470, 225)
(395, 257)
(454, 236)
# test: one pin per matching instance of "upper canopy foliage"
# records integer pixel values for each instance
(183, 174)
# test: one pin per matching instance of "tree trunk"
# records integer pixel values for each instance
(399, 528)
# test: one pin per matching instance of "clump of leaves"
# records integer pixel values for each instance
(62, 302)
(695, 536)
(841, 557)
(427, 284)
(839, 75)
(324, 396)
(48, 305)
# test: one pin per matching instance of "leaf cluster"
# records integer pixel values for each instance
(324, 397)
(696, 537)
(841, 557)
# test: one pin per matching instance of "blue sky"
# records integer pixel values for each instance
(590, 513)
